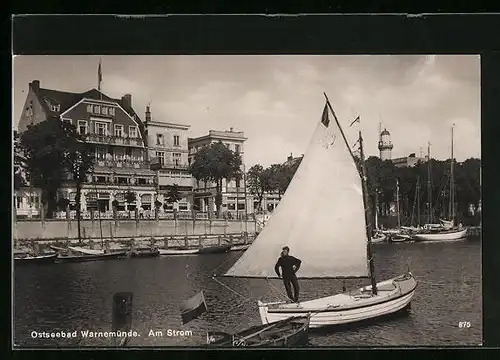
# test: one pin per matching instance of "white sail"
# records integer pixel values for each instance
(321, 216)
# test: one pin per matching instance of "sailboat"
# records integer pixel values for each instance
(378, 236)
(322, 217)
(447, 231)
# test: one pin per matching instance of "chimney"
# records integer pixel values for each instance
(127, 100)
(35, 85)
(230, 129)
(290, 158)
(148, 114)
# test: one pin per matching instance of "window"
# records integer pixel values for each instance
(238, 183)
(241, 206)
(104, 110)
(89, 108)
(100, 128)
(161, 157)
(122, 180)
(176, 140)
(112, 111)
(177, 159)
(97, 109)
(159, 139)
(237, 148)
(82, 127)
(118, 130)
(67, 121)
(101, 153)
(55, 108)
(132, 131)
(141, 181)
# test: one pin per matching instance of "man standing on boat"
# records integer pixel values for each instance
(289, 266)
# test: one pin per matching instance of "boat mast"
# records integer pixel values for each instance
(429, 187)
(417, 199)
(98, 210)
(452, 182)
(397, 203)
(367, 216)
(376, 209)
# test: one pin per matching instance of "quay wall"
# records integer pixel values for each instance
(62, 229)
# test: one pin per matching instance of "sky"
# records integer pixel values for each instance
(278, 100)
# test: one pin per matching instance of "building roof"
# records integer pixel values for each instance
(385, 132)
(65, 100)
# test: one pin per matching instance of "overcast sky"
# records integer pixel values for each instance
(277, 100)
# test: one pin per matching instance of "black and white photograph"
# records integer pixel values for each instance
(218, 201)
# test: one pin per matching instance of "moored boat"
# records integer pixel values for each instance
(144, 253)
(85, 251)
(379, 238)
(445, 235)
(241, 247)
(178, 251)
(64, 257)
(38, 259)
(289, 332)
(215, 249)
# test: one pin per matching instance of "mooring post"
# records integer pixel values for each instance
(231, 239)
(186, 241)
(122, 315)
(200, 241)
(218, 240)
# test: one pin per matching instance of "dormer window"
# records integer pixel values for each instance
(97, 109)
(104, 110)
(89, 108)
(132, 131)
(55, 108)
(112, 111)
(159, 139)
(118, 130)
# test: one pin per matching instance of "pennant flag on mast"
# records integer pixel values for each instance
(355, 120)
(99, 76)
(325, 120)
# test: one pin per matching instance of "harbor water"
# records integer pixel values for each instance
(78, 297)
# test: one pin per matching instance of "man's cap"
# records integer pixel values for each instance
(286, 248)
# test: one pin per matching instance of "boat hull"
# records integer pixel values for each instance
(379, 239)
(239, 247)
(393, 295)
(85, 251)
(442, 236)
(289, 332)
(215, 249)
(178, 251)
(42, 259)
(84, 258)
(144, 253)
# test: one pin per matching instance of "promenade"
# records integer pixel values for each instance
(54, 229)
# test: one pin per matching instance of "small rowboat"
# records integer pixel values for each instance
(40, 259)
(290, 332)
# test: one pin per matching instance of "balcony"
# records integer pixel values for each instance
(126, 164)
(114, 140)
(172, 166)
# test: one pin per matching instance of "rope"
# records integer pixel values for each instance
(228, 288)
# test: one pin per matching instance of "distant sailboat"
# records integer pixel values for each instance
(324, 222)
(446, 230)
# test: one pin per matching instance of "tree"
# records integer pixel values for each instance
(18, 181)
(44, 149)
(257, 179)
(173, 194)
(130, 197)
(53, 149)
(215, 163)
(78, 161)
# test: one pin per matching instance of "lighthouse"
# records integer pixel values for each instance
(385, 145)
